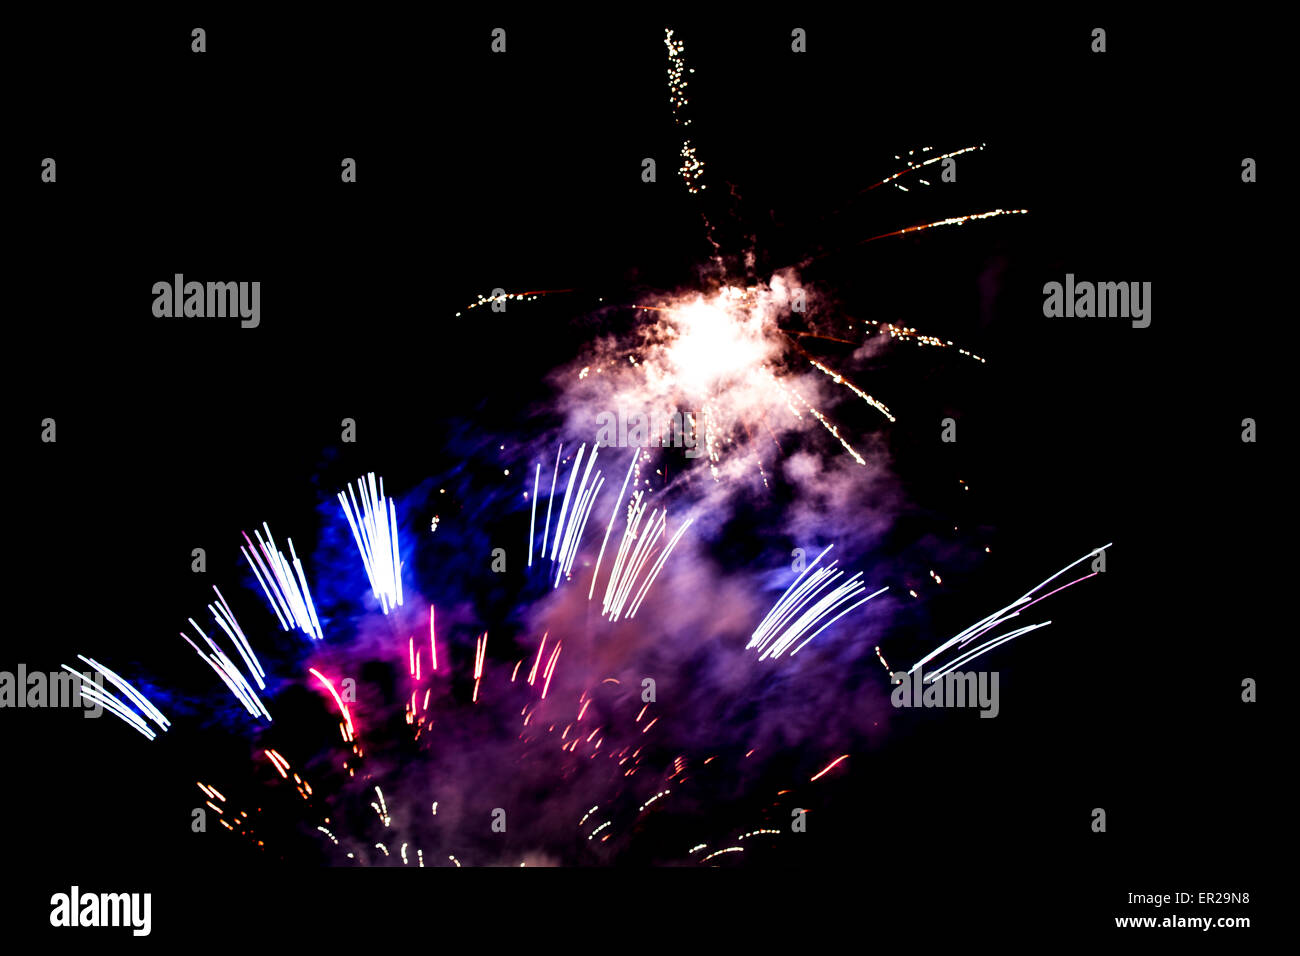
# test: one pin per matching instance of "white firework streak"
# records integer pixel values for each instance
(658, 566)
(788, 620)
(115, 704)
(631, 559)
(554, 474)
(229, 674)
(579, 526)
(1001, 616)
(152, 712)
(612, 515)
(226, 618)
(374, 526)
(579, 501)
(635, 509)
(112, 703)
(565, 547)
(288, 595)
(564, 508)
(532, 521)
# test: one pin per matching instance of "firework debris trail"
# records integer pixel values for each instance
(784, 624)
(986, 624)
(111, 702)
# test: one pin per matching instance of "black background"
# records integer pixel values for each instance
(523, 171)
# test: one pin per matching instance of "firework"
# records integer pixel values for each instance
(785, 624)
(284, 584)
(114, 704)
(230, 675)
(374, 526)
(347, 728)
(828, 768)
(631, 559)
(226, 619)
(724, 353)
(999, 617)
(921, 163)
(950, 221)
(692, 167)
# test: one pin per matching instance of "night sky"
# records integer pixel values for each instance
(522, 171)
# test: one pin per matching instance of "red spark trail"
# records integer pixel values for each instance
(829, 766)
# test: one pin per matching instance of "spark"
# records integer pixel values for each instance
(618, 502)
(565, 548)
(839, 379)
(908, 334)
(137, 698)
(532, 521)
(631, 559)
(554, 474)
(661, 793)
(480, 652)
(950, 221)
(692, 168)
(374, 526)
(821, 419)
(999, 617)
(912, 167)
(381, 808)
(112, 703)
(532, 675)
(281, 764)
(226, 619)
(550, 668)
(433, 647)
(229, 674)
(730, 849)
(827, 769)
(784, 624)
(288, 594)
(504, 297)
(349, 733)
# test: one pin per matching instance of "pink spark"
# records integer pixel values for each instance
(829, 766)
